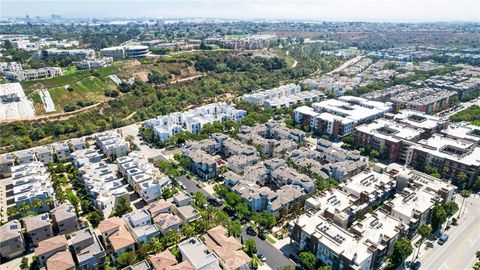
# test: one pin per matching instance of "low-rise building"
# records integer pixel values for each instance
(112, 144)
(61, 260)
(89, 252)
(50, 247)
(64, 218)
(202, 164)
(62, 151)
(12, 243)
(30, 74)
(44, 154)
(229, 249)
(7, 161)
(140, 225)
(116, 236)
(38, 228)
(94, 63)
(463, 132)
(197, 254)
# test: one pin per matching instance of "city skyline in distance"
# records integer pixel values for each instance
(302, 10)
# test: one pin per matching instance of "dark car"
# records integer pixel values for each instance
(443, 239)
(262, 235)
(214, 201)
(251, 231)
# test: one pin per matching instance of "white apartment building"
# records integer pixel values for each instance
(10, 66)
(31, 181)
(145, 178)
(259, 98)
(331, 244)
(94, 63)
(193, 120)
(44, 154)
(369, 186)
(30, 74)
(77, 54)
(112, 144)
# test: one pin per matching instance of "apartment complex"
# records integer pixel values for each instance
(94, 63)
(284, 96)
(338, 117)
(128, 51)
(193, 120)
(30, 74)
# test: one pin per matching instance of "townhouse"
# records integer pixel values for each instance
(202, 164)
(7, 161)
(94, 63)
(112, 144)
(12, 243)
(229, 249)
(38, 228)
(31, 74)
(64, 218)
(87, 249)
(49, 247)
(140, 225)
(198, 255)
(115, 235)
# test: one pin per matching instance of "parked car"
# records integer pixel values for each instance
(251, 231)
(262, 235)
(261, 257)
(443, 238)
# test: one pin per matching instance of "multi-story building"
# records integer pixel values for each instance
(10, 66)
(338, 117)
(198, 255)
(202, 164)
(31, 182)
(62, 151)
(122, 52)
(462, 132)
(25, 156)
(145, 178)
(38, 227)
(49, 247)
(7, 161)
(12, 243)
(94, 63)
(140, 225)
(76, 54)
(89, 252)
(331, 244)
(64, 218)
(391, 139)
(429, 123)
(193, 120)
(61, 259)
(229, 250)
(112, 144)
(285, 175)
(455, 158)
(426, 100)
(283, 97)
(44, 154)
(30, 74)
(116, 236)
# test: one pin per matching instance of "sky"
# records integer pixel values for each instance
(324, 10)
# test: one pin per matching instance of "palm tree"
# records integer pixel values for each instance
(37, 203)
(24, 207)
(49, 202)
(188, 230)
(12, 211)
(465, 194)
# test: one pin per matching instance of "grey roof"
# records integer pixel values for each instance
(36, 222)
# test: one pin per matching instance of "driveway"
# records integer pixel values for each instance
(275, 258)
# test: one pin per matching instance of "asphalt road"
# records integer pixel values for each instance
(275, 258)
(464, 241)
(191, 186)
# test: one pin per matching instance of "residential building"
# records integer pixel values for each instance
(162, 260)
(62, 151)
(239, 163)
(77, 144)
(44, 154)
(391, 139)
(112, 144)
(429, 123)
(229, 249)
(89, 252)
(283, 97)
(193, 120)
(463, 132)
(287, 176)
(369, 187)
(30, 74)
(202, 164)
(25, 156)
(10, 66)
(49, 247)
(94, 63)
(331, 244)
(61, 260)
(64, 218)
(12, 243)
(426, 100)
(140, 225)
(198, 255)
(116, 236)
(30, 182)
(38, 228)
(7, 161)
(455, 158)
(77, 54)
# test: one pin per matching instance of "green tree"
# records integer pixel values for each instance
(266, 219)
(401, 250)
(439, 216)
(250, 247)
(24, 264)
(374, 154)
(199, 199)
(234, 228)
(221, 218)
(188, 230)
(325, 267)
(123, 207)
(12, 211)
(94, 218)
(126, 259)
(308, 260)
(425, 231)
(155, 246)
